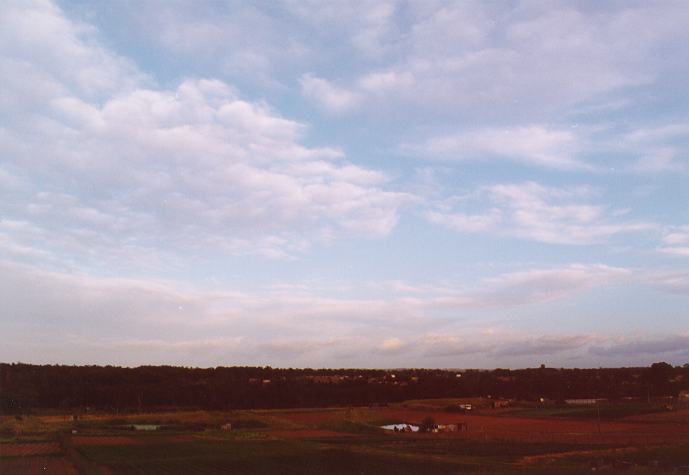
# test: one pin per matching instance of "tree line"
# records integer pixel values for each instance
(25, 387)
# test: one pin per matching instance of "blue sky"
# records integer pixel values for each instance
(344, 184)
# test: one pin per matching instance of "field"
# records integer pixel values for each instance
(521, 439)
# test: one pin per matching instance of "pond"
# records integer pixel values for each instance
(401, 427)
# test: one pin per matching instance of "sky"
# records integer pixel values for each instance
(382, 184)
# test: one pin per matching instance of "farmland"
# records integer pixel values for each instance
(519, 439)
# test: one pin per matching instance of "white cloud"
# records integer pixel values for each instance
(327, 95)
(536, 145)
(368, 26)
(662, 148)
(536, 212)
(682, 251)
(676, 242)
(530, 287)
(391, 346)
(543, 285)
(239, 40)
(680, 235)
(467, 223)
(385, 81)
(486, 61)
(54, 54)
(139, 168)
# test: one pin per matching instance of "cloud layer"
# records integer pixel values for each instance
(316, 183)
(134, 166)
(536, 212)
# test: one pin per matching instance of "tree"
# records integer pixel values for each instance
(658, 377)
(427, 425)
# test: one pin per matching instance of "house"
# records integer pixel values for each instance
(226, 426)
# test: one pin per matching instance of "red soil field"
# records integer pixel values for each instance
(304, 434)
(172, 439)
(549, 430)
(103, 440)
(312, 417)
(27, 450)
(680, 416)
(41, 464)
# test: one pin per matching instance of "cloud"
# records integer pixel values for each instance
(47, 54)
(545, 345)
(535, 145)
(675, 251)
(243, 41)
(327, 95)
(368, 27)
(535, 212)
(452, 346)
(563, 347)
(505, 345)
(169, 320)
(544, 285)
(530, 287)
(673, 281)
(481, 61)
(676, 242)
(660, 347)
(122, 168)
(526, 287)
(391, 346)
(659, 149)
